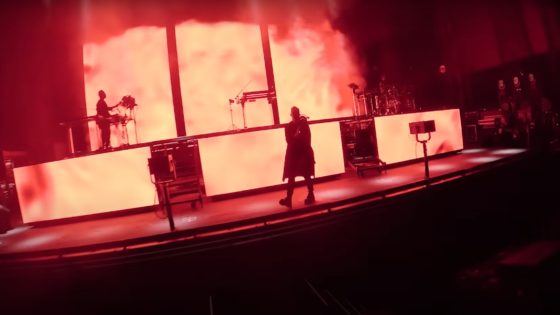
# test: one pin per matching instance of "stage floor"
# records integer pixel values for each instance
(71, 236)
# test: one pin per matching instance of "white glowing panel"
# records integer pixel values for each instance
(396, 144)
(251, 160)
(86, 185)
(133, 63)
(313, 66)
(218, 61)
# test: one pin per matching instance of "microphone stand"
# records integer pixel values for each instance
(354, 87)
(233, 126)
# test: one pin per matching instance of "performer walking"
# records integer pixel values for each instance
(299, 159)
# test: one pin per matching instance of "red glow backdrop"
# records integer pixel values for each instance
(216, 61)
(395, 143)
(250, 160)
(313, 67)
(134, 63)
(85, 185)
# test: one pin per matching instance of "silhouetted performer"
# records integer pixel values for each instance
(103, 120)
(506, 105)
(540, 114)
(299, 160)
(445, 89)
(517, 92)
(534, 99)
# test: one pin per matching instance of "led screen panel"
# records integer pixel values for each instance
(217, 62)
(395, 143)
(313, 66)
(85, 185)
(134, 63)
(244, 161)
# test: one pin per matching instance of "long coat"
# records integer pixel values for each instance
(299, 159)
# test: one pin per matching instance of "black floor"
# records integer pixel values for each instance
(434, 251)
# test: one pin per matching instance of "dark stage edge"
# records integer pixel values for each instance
(238, 220)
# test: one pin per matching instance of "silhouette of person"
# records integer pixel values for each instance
(534, 99)
(506, 105)
(299, 159)
(445, 88)
(103, 120)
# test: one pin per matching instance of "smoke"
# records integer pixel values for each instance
(103, 19)
(219, 52)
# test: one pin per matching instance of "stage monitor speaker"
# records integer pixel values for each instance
(422, 127)
(162, 167)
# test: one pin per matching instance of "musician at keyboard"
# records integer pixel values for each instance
(104, 118)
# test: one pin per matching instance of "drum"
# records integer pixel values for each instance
(393, 106)
(367, 103)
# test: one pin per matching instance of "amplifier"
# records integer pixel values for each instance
(422, 127)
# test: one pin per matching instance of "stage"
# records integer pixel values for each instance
(145, 146)
(119, 234)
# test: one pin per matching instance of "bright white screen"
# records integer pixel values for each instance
(85, 185)
(134, 63)
(396, 144)
(245, 161)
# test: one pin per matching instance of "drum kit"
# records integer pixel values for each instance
(388, 99)
(126, 113)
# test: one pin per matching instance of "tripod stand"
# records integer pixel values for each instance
(424, 147)
(419, 127)
(243, 110)
(232, 126)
